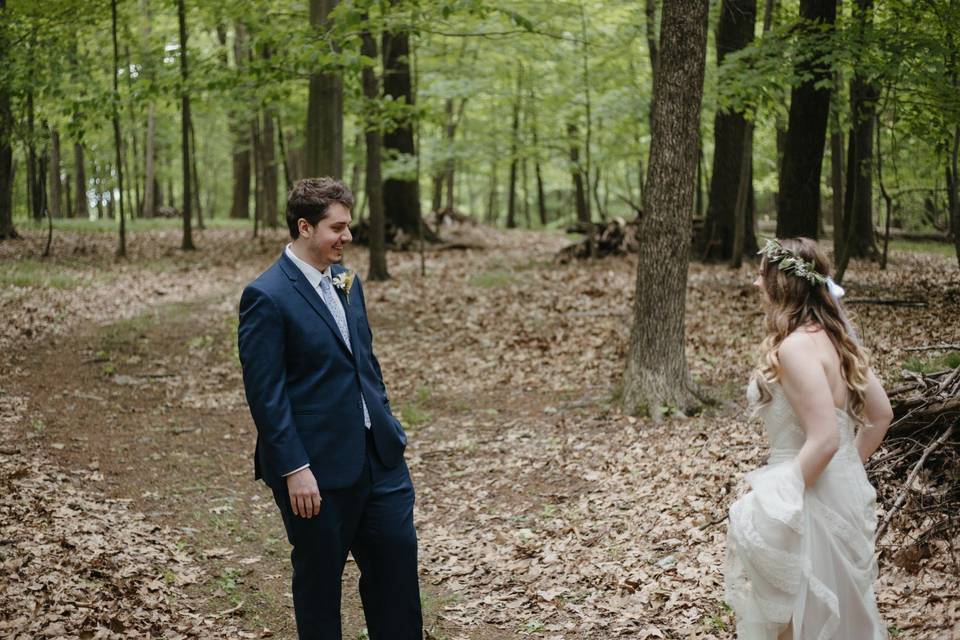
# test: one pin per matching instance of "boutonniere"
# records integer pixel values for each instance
(344, 281)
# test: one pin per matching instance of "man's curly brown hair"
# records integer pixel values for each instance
(311, 198)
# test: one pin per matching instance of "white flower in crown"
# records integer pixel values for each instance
(344, 281)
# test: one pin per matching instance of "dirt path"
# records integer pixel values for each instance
(541, 510)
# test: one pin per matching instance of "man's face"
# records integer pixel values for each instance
(325, 241)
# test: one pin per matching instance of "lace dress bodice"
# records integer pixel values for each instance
(783, 428)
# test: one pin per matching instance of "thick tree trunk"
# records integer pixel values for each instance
(195, 178)
(514, 152)
(269, 157)
(401, 196)
(492, 196)
(34, 188)
(187, 243)
(734, 32)
(149, 170)
(240, 193)
(836, 175)
(858, 196)
(798, 205)
(117, 136)
(324, 105)
(537, 171)
(656, 375)
(374, 180)
(56, 185)
(7, 229)
(576, 172)
(83, 209)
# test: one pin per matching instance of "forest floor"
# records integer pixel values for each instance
(128, 508)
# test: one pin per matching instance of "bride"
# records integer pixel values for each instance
(800, 544)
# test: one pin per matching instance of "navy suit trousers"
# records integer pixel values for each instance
(373, 519)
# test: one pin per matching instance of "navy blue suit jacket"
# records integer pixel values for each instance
(303, 384)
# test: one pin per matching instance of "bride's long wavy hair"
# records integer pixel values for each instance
(793, 302)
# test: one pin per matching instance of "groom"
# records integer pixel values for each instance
(327, 443)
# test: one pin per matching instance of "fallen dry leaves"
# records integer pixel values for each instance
(542, 510)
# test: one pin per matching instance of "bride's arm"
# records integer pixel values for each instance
(876, 409)
(805, 384)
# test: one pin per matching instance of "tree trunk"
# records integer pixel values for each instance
(67, 196)
(281, 141)
(194, 178)
(401, 196)
(576, 172)
(436, 199)
(374, 181)
(653, 49)
(798, 205)
(537, 171)
(134, 177)
(514, 152)
(324, 143)
(187, 243)
(240, 167)
(268, 155)
(83, 210)
(734, 32)
(56, 185)
(7, 229)
(836, 174)
(656, 377)
(117, 137)
(33, 164)
(858, 240)
(492, 200)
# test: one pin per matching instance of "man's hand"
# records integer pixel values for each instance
(304, 495)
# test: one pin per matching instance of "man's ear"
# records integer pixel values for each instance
(304, 227)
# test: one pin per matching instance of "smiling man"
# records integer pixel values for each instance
(328, 444)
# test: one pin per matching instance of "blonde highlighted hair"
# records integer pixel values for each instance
(795, 302)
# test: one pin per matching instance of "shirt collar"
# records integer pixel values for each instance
(310, 272)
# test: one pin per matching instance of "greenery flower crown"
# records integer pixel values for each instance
(790, 262)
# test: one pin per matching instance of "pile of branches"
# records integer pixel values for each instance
(918, 470)
(616, 237)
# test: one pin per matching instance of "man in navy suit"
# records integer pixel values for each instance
(328, 444)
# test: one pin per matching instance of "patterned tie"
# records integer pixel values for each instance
(332, 300)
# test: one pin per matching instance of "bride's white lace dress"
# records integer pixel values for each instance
(803, 556)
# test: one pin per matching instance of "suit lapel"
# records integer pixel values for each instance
(312, 296)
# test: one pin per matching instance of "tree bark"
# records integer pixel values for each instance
(576, 172)
(195, 178)
(656, 375)
(150, 199)
(836, 174)
(538, 173)
(240, 161)
(187, 242)
(83, 209)
(7, 230)
(653, 49)
(734, 32)
(798, 205)
(324, 145)
(117, 137)
(401, 196)
(514, 152)
(56, 185)
(373, 184)
(269, 157)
